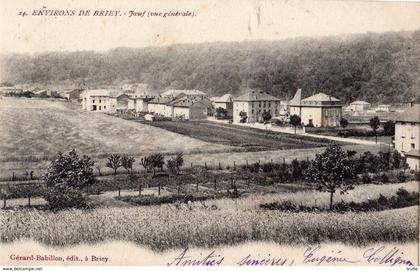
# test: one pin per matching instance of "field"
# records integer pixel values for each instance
(249, 138)
(32, 131)
(217, 222)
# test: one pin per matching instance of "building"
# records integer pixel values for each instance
(118, 102)
(254, 104)
(139, 104)
(319, 110)
(383, 107)
(407, 136)
(359, 106)
(225, 102)
(177, 92)
(190, 107)
(72, 94)
(159, 106)
(96, 100)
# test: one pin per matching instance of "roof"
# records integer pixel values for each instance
(359, 102)
(297, 98)
(412, 114)
(187, 101)
(415, 153)
(254, 95)
(96, 92)
(161, 100)
(177, 92)
(321, 97)
(223, 99)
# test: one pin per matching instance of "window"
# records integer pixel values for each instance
(100, 100)
(413, 146)
(93, 101)
(259, 104)
(252, 111)
(264, 104)
(104, 107)
(99, 107)
(269, 104)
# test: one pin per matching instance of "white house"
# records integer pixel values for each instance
(96, 100)
(159, 106)
(359, 106)
(383, 107)
(254, 104)
(407, 136)
(177, 92)
(319, 110)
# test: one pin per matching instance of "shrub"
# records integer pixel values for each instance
(65, 178)
(402, 199)
(401, 177)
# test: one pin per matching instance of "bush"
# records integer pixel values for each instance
(401, 177)
(65, 178)
(402, 199)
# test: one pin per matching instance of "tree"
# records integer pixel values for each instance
(266, 116)
(157, 162)
(344, 123)
(171, 164)
(127, 163)
(65, 178)
(296, 169)
(221, 113)
(374, 124)
(243, 116)
(295, 120)
(329, 170)
(389, 128)
(114, 162)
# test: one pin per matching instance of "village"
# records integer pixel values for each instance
(316, 115)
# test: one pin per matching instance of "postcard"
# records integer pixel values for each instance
(209, 133)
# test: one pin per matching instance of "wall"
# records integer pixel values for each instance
(405, 135)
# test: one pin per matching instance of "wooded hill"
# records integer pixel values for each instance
(373, 67)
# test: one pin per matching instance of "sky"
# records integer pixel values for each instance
(215, 20)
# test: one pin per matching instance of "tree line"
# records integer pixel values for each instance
(378, 68)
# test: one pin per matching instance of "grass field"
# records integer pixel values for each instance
(249, 138)
(233, 221)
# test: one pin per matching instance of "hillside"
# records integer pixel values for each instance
(373, 67)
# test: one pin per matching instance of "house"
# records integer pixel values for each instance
(254, 104)
(225, 102)
(139, 104)
(118, 102)
(177, 92)
(319, 110)
(72, 94)
(190, 107)
(359, 106)
(407, 136)
(159, 106)
(383, 108)
(96, 100)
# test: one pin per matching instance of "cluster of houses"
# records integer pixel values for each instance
(363, 107)
(319, 110)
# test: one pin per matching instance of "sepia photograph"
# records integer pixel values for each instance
(209, 133)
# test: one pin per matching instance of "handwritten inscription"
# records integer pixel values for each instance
(311, 256)
(381, 255)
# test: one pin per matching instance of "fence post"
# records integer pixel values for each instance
(234, 165)
(284, 160)
(4, 202)
(205, 165)
(247, 163)
(191, 165)
(220, 168)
